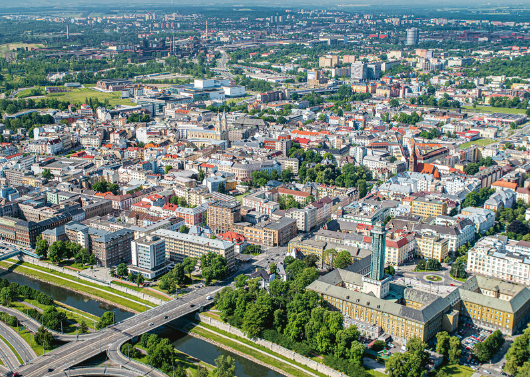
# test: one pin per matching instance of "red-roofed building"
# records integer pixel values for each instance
(154, 200)
(238, 239)
(141, 207)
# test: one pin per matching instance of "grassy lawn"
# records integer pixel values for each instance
(12, 349)
(79, 96)
(457, 370)
(14, 46)
(240, 197)
(142, 290)
(490, 109)
(29, 338)
(67, 281)
(236, 100)
(480, 142)
(375, 373)
(71, 263)
(257, 355)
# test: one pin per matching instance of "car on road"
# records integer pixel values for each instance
(208, 297)
(166, 317)
(150, 323)
(486, 371)
(49, 370)
(192, 305)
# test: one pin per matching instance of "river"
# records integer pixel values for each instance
(192, 346)
(67, 296)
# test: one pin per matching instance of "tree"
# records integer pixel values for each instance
(139, 279)
(471, 169)
(442, 343)
(44, 337)
(286, 175)
(433, 265)
(404, 365)
(390, 270)
(106, 319)
(394, 102)
(458, 270)
(83, 328)
(343, 259)
(311, 260)
(41, 248)
(131, 276)
(272, 268)
(202, 174)
(55, 252)
(47, 174)
(226, 366)
(122, 269)
(455, 350)
(184, 229)
(221, 188)
(167, 169)
(517, 227)
(392, 159)
(484, 351)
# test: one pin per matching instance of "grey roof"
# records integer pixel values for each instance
(108, 237)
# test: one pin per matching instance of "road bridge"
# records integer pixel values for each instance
(111, 338)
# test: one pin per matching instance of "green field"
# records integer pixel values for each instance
(14, 46)
(81, 94)
(489, 109)
(142, 290)
(457, 370)
(480, 142)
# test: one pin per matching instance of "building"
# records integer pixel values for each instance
(458, 231)
(492, 304)
(222, 215)
(113, 248)
(432, 246)
(148, 256)
(306, 218)
(268, 233)
(25, 233)
(399, 248)
(426, 207)
(180, 246)
(359, 71)
(484, 219)
(413, 36)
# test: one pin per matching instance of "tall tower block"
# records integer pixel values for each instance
(377, 267)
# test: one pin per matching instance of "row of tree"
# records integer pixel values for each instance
(291, 316)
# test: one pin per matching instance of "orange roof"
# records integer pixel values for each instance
(304, 133)
(509, 185)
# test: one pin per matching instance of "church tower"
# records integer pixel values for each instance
(412, 159)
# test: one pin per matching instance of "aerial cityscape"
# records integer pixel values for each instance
(293, 189)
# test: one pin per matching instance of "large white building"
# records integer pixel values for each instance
(148, 256)
(490, 257)
(484, 219)
(457, 231)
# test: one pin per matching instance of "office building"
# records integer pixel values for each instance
(359, 71)
(426, 207)
(222, 215)
(432, 246)
(413, 36)
(148, 256)
(180, 246)
(113, 248)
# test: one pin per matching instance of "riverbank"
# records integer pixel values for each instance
(90, 290)
(263, 357)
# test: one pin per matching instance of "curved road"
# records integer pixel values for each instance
(8, 357)
(111, 338)
(23, 349)
(96, 371)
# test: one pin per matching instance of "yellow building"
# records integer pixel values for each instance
(432, 247)
(428, 207)
(494, 304)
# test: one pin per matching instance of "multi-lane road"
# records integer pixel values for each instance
(113, 337)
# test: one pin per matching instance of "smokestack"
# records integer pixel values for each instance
(67, 32)
(206, 29)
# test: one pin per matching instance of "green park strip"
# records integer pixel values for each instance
(142, 290)
(30, 339)
(12, 349)
(458, 370)
(66, 281)
(73, 317)
(491, 109)
(375, 373)
(253, 350)
(87, 316)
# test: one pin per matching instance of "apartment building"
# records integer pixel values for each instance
(260, 202)
(268, 233)
(306, 218)
(148, 256)
(490, 257)
(180, 246)
(457, 231)
(113, 248)
(432, 246)
(399, 248)
(426, 207)
(222, 215)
